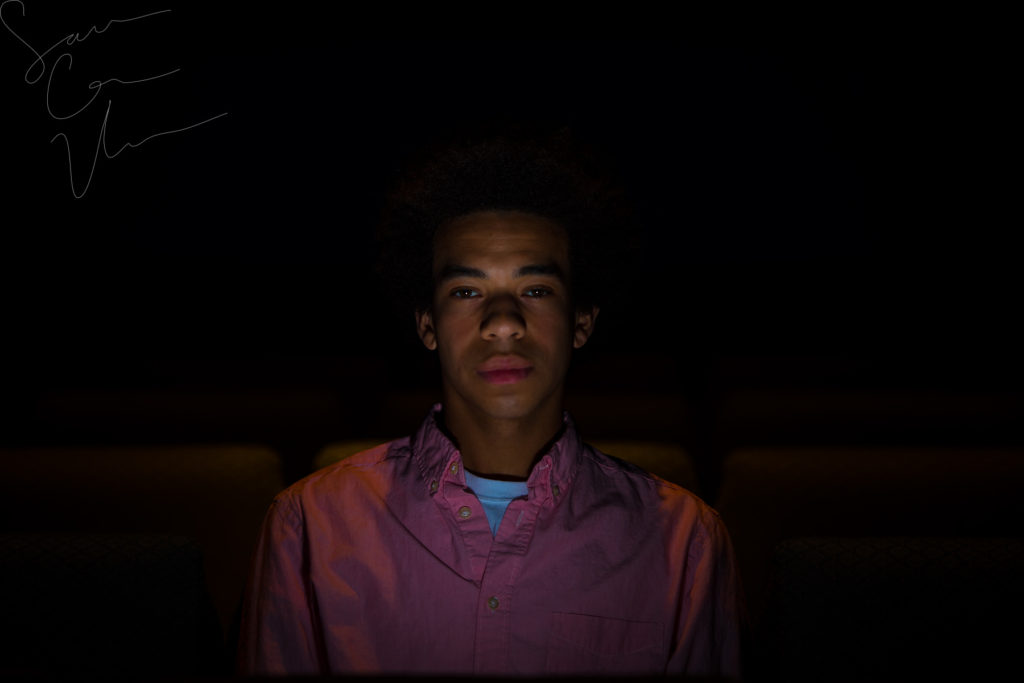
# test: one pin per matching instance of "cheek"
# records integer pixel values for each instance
(449, 320)
(556, 334)
(454, 338)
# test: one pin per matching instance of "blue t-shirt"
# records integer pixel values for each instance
(495, 495)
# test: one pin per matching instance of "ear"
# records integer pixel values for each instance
(425, 328)
(584, 326)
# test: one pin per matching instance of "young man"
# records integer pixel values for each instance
(493, 541)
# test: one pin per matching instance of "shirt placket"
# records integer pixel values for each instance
(466, 514)
(497, 588)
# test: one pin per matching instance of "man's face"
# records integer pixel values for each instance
(502, 319)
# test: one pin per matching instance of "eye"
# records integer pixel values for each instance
(537, 292)
(464, 293)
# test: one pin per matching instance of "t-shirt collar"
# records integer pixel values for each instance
(439, 460)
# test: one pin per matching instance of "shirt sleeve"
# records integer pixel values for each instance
(712, 612)
(279, 632)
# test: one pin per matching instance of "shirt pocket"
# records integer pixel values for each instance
(585, 644)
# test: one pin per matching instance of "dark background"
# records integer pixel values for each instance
(801, 194)
(826, 260)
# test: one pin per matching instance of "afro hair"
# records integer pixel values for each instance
(552, 177)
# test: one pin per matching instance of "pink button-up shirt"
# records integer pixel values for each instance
(385, 563)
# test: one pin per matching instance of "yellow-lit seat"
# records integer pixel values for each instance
(668, 461)
(340, 450)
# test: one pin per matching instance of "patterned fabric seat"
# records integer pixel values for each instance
(859, 609)
(771, 494)
(105, 604)
(216, 495)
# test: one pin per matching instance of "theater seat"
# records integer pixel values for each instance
(216, 495)
(769, 495)
(881, 609)
(105, 605)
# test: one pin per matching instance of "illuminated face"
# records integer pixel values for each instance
(502, 319)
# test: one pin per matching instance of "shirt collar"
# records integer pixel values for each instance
(439, 461)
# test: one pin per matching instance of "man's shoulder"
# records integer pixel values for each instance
(366, 470)
(645, 488)
(607, 465)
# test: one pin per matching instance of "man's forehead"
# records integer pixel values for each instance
(450, 270)
(510, 238)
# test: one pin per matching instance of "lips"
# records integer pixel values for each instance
(504, 369)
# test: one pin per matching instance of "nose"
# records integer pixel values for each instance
(503, 321)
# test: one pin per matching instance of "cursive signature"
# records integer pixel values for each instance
(40, 67)
(101, 143)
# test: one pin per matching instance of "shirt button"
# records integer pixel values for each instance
(433, 486)
(492, 602)
(465, 512)
(454, 469)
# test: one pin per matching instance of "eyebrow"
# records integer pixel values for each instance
(453, 270)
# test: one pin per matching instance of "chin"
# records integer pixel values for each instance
(513, 407)
(510, 409)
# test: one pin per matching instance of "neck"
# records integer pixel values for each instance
(501, 447)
